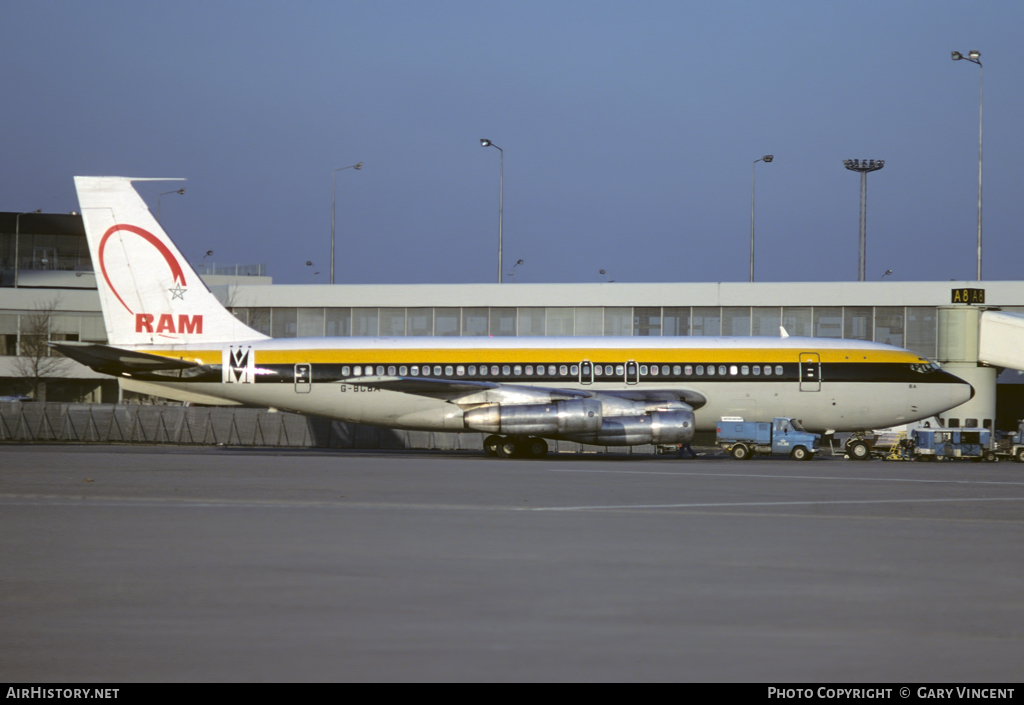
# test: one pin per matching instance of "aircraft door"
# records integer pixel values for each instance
(586, 372)
(632, 372)
(810, 372)
(303, 378)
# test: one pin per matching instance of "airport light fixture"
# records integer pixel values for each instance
(17, 242)
(501, 196)
(513, 273)
(767, 159)
(180, 192)
(864, 166)
(334, 193)
(974, 57)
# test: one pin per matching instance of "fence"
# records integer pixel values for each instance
(32, 422)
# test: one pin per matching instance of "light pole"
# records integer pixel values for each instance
(501, 196)
(863, 166)
(513, 273)
(17, 242)
(334, 192)
(974, 57)
(767, 159)
(179, 191)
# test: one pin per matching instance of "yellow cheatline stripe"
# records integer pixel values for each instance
(549, 355)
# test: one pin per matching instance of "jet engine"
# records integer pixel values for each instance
(658, 428)
(561, 418)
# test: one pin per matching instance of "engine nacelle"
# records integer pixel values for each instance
(560, 418)
(659, 428)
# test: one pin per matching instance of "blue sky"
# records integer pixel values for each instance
(628, 129)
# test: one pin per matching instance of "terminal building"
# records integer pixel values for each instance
(48, 292)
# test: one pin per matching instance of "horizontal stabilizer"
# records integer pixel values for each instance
(114, 361)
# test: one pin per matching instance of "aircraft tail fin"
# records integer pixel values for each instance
(149, 293)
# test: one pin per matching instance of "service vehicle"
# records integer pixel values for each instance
(1011, 445)
(936, 443)
(783, 436)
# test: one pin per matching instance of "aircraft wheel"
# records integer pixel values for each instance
(859, 450)
(508, 448)
(740, 452)
(491, 445)
(800, 453)
(1019, 456)
(536, 448)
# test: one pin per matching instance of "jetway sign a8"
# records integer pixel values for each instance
(968, 296)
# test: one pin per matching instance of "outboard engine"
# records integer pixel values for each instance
(560, 418)
(658, 428)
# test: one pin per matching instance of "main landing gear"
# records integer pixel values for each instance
(515, 447)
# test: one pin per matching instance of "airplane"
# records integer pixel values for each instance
(169, 335)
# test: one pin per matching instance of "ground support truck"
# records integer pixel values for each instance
(930, 444)
(745, 439)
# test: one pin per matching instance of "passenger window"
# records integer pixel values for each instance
(494, 370)
(700, 369)
(346, 371)
(460, 370)
(415, 371)
(517, 370)
(664, 369)
(721, 370)
(654, 370)
(506, 370)
(574, 370)
(677, 370)
(757, 370)
(778, 369)
(688, 370)
(563, 369)
(745, 370)
(472, 370)
(620, 370)
(358, 371)
(529, 370)
(643, 369)
(598, 370)
(391, 369)
(733, 370)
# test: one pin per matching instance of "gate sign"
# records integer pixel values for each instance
(968, 296)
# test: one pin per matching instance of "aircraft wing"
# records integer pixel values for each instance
(472, 393)
(114, 361)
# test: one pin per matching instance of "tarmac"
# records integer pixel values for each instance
(147, 563)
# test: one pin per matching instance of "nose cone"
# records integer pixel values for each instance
(960, 391)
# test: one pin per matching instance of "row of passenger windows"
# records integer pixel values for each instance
(558, 370)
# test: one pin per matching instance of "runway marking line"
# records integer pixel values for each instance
(789, 477)
(55, 500)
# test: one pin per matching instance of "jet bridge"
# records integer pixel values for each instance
(1001, 339)
(973, 343)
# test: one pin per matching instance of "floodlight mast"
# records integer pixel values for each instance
(767, 159)
(863, 166)
(501, 195)
(974, 56)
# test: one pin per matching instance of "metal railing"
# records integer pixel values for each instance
(53, 422)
